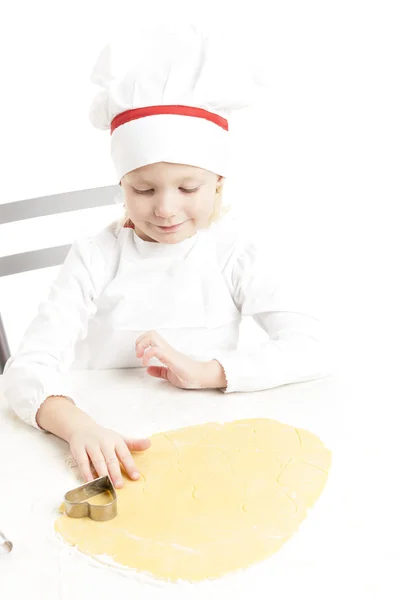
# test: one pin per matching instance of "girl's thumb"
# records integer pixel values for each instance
(138, 445)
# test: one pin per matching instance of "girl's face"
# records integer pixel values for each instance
(169, 202)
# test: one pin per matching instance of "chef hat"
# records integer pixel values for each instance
(167, 95)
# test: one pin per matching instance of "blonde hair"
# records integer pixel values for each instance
(219, 209)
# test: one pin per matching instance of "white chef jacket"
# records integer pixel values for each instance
(114, 286)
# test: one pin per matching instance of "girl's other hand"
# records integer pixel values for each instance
(180, 370)
(105, 449)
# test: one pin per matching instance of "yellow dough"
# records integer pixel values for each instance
(211, 499)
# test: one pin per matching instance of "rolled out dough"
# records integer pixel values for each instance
(212, 498)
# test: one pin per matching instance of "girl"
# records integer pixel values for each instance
(171, 282)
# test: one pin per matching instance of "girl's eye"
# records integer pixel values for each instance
(189, 191)
(142, 191)
(184, 190)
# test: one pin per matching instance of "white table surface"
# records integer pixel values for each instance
(345, 548)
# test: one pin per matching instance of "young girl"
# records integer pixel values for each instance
(170, 283)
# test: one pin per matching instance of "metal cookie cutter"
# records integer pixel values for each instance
(77, 507)
(5, 544)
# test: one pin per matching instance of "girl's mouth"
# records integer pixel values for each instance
(170, 229)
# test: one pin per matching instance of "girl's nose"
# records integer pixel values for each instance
(166, 206)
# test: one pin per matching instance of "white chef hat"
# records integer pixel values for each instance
(167, 95)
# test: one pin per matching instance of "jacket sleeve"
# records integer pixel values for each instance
(294, 349)
(47, 348)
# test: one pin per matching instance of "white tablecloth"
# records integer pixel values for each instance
(338, 551)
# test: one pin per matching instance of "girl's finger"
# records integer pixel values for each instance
(160, 372)
(138, 445)
(175, 365)
(159, 353)
(98, 462)
(82, 460)
(141, 345)
(148, 334)
(127, 461)
(151, 338)
(114, 469)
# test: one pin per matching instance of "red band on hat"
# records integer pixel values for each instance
(148, 111)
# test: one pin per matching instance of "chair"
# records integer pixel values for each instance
(46, 257)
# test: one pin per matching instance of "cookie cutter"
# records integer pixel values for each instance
(5, 544)
(76, 505)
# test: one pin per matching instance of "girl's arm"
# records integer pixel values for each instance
(296, 349)
(32, 380)
(33, 373)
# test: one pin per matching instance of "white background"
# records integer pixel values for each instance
(316, 166)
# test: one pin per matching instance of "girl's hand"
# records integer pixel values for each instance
(104, 450)
(180, 370)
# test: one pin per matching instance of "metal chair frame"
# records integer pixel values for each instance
(46, 257)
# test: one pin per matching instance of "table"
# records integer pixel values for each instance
(331, 554)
